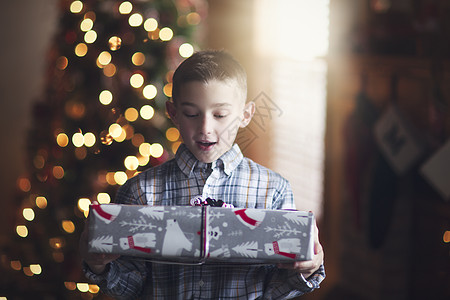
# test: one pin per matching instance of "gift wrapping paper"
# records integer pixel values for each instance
(201, 234)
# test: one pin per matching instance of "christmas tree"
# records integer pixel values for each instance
(100, 121)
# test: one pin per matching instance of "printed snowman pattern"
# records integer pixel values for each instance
(140, 241)
(285, 247)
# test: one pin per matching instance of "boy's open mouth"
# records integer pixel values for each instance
(204, 145)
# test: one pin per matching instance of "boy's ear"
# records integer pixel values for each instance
(172, 112)
(249, 111)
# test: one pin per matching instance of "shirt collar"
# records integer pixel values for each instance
(186, 161)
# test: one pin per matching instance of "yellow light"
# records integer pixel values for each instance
(110, 178)
(83, 204)
(62, 140)
(147, 112)
(24, 184)
(28, 214)
(56, 243)
(144, 149)
(446, 237)
(94, 289)
(149, 91)
(89, 139)
(78, 139)
(68, 226)
(86, 25)
(131, 163)
(131, 114)
(150, 24)
(22, 230)
(109, 70)
(105, 97)
(125, 7)
(135, 20)
(41, 202)
(138, 59)
(83, 287)
(193, 18)
(122, 136)
(175, 146)
(136, 80)
(120, 177)
(16, 265)
(115, 130)
(156, 150)
(186, 50)
(76, 7)
(166, 34)
(70, 285)
(168, 90)
(143, 160)
(36, 269)
(172, 134)
(62, 62)
(103, 198)
(104, 58)
(58, 172)
(90, 36)
(81, 49)
(114, 43)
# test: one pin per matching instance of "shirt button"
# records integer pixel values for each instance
(201, 283)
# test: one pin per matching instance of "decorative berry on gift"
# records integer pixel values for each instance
(200, 201)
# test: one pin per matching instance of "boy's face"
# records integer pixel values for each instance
(208, 116)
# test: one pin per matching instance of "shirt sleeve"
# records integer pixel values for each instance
(123, 278)
(287, 284)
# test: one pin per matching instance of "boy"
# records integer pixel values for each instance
(209, 95)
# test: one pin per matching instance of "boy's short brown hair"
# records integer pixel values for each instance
(209, 65)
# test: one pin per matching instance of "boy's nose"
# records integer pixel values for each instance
(205, 126)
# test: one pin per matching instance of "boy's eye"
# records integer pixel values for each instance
(221, 114)
(190, 115)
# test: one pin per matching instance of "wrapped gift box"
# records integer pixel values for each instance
(201, 234)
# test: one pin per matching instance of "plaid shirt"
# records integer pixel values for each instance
(235, 180)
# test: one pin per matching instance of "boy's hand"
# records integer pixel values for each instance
(307, 268)
(97, 262)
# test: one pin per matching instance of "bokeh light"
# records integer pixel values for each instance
(103, 198)
(172, 134)
(68, 226)
(86, 25)
(186, 50)
(81, 49)
(156, 150)
(146, 112)
(28, 214)
(62, 139)
(131, 163)
(138, 59)
(149, 91)
(105, 97)
(136, 80)
(76, 7)
(41, 202)
(114, 43)
(120, 177)
(125, 7)
(165, 34)
(135, 20)
(22, 230)
(104, 58)
(78, 139)
(150, 24)
(90, 36)
(131, 114)
(89, 139)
